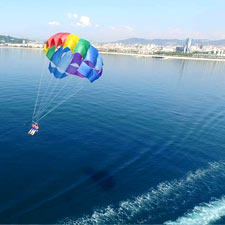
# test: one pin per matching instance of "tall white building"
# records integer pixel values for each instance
(187, 46)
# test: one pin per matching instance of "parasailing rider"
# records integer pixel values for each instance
(34, 129)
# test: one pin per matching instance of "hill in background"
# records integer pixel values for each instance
(132, 41)
(164, 42)
(9, 39)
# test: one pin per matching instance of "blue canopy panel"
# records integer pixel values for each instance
(99, 64)
(93, 76)
(91, 56)
(97, 71)
(91, 66)
(57, 56)
(55, 72)
(90, 73)
(61, 59)
(65, 59)
(84, 70)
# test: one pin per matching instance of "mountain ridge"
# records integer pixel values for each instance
(163, 42)
(135, 40)
(10, 39)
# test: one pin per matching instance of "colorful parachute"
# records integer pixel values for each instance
(71, 55)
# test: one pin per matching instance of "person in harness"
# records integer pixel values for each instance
(34, 128)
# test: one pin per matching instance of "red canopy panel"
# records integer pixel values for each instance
(57, 40)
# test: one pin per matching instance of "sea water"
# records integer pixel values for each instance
(143, 144)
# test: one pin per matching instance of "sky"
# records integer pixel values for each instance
(102, 20)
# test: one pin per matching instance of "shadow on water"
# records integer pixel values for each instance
(24, 211)
(176, 196)
(182, 70)
(102, 178)
(207, 67)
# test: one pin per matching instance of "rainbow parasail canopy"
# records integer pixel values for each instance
(71, 55)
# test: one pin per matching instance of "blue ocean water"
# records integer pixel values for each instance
(143, 144)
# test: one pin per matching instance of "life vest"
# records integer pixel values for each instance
(35, 126)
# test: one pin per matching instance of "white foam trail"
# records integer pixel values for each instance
(166, 197)
(204, 214)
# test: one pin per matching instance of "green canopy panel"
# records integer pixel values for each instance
(82, 47)
(50, 52)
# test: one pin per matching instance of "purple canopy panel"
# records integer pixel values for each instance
(74, 65)
(89, 63)
(77, 58)
(100, 73)
(71, 70)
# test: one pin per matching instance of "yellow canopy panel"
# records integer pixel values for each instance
(71, 42)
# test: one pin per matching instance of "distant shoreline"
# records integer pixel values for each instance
(163, 56)
(139, 55)
(20, 47)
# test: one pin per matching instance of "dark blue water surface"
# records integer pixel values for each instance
(143, 144)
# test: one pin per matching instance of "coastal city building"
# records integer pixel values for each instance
(167, 49)
(187, 46)
(193, 50)
(29, 44)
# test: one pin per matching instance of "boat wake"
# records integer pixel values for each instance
(167, 200)
(204, 214)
